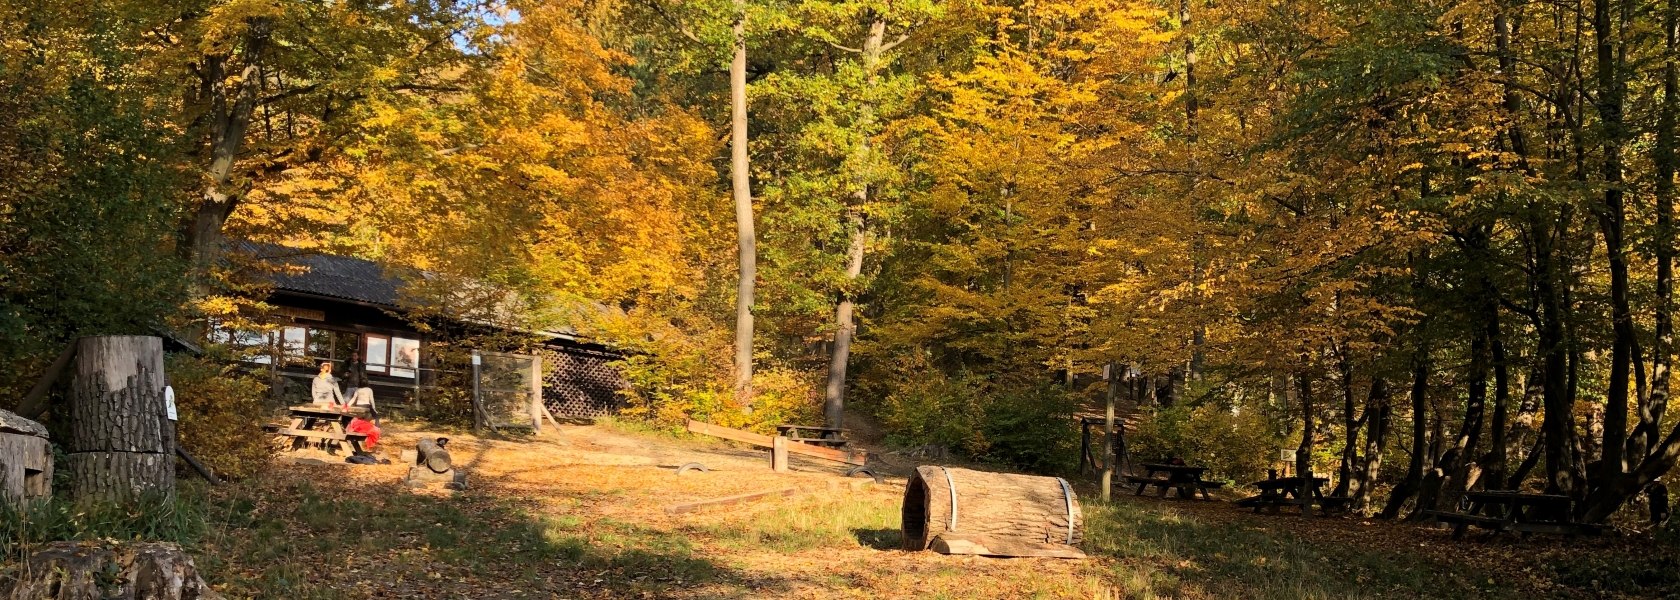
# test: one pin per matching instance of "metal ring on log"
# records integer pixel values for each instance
(1003, 509)
(952, 487)
(693, 466)
(1067, 495)
(860, 469)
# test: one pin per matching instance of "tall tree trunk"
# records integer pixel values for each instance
(1351, 424)
(1661, 457)
(229, 115)
(845, 326)
(1652, 410)
(740, 180)
(1303, 453)
(1376, 438)
(1558, 419)
(1198, 336)
(1612, 219)
(1495, 461)
(1408, 486)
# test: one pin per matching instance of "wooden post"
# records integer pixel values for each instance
(779, 454)
(536, 393)
(1108, 432)
(477, 406)
(120, 442)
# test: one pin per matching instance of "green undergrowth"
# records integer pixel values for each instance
(153, 517)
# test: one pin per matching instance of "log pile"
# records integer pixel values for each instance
(121, 439)
(960, 511)
(105, 571)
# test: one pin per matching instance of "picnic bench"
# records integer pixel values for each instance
(1278, 492)
(1524, 513)
(1186, 479)
(833, 437)
(323, 426)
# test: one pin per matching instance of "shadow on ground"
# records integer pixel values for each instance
(879, 539)
(310, 532)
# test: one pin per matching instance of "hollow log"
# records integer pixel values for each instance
(121, 439)
(106, 571)
(1005, 507)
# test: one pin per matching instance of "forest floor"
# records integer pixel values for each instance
(580, 513)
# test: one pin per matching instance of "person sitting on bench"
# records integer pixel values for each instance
(324, 389)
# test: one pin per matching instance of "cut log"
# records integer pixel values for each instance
(11, 422)
(121, 439)
(120, 476)
(106, 571)
(26, 468)
(980, 545)
(430, 454)
(1005, 508)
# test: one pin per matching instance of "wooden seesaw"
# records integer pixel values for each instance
(780, 447)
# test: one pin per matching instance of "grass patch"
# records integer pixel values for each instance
(812, 524)
(307, 539)
(153, 517)
(1162, 552)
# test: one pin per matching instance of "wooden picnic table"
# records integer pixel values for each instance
(1278, 492)
(811, 434)
(324, 425)
(1504, 510)
(1185, 478)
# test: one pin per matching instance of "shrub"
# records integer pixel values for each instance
(1237, 446)
(934, 409)
(1029, 427)
(1032, 428)
(221, 414)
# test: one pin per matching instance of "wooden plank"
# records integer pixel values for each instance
(34, 403)
(852, 457)
(956, 543)
(736, 499)
(324, 435)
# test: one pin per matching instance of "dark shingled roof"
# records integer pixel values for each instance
(341, 277)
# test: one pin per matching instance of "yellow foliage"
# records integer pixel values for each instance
(221, 414)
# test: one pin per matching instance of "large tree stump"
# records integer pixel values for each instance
(105, 571)
(1004, 507)
(121, 439)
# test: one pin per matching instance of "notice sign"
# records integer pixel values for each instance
(169, 401)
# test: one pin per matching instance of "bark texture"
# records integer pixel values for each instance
(121, 439)
(1001, 506)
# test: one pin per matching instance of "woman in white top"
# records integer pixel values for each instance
(324, 390)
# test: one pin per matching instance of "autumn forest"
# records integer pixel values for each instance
(1429, 245)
